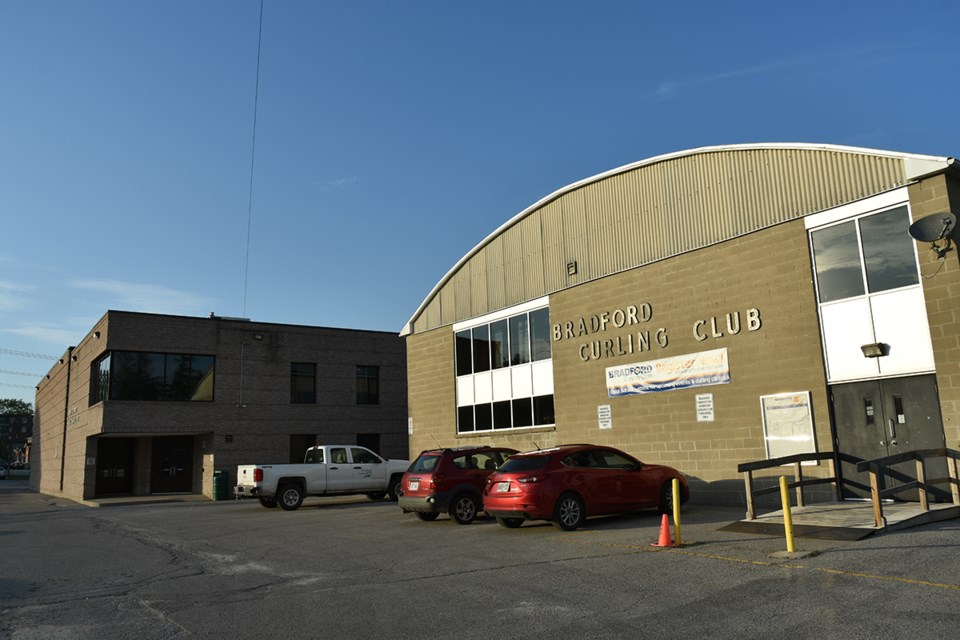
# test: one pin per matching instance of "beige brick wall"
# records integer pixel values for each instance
(768, 271)
(941, 289)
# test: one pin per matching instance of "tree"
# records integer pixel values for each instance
(15, 407)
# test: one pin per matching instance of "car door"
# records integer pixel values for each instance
(594, 481)
(339, 471)
(631, 487)
(369, 470)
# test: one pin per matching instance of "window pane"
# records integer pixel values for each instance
(519, 340)
(123, 376)
(540, 333)
(888, 250)
(499, 355)
(368, 385)
(522, 412)
(481, 349)
(483, 417)
(464, 419)
(201, 375)
(303, 385)
(543, 410)
(837, 257)
(464, 353)
(502, 415)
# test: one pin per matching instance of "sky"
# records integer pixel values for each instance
(387, 138)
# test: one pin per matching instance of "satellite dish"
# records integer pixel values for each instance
(934, 227)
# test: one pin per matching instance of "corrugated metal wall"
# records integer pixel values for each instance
(649, 213)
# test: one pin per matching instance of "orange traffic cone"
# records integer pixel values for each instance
(665, 539)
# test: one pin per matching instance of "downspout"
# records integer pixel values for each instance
(66, 413)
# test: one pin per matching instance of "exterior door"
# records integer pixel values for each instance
(878, 418)
(172, 469)
(339, 470)
(369, 472)
(114, 466)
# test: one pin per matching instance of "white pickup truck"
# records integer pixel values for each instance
(327, 470)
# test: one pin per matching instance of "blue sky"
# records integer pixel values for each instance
(391, 137)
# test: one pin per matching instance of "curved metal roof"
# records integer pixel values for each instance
(864, 172)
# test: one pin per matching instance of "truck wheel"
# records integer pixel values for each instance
(396, 487)
(290, 497)
(464, 508)
(269, 503)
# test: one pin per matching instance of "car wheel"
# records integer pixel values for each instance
(569, 514)
(290, 497)
(426, 516)
(376, 496)
(269, 503)
(510, 523)
(396, 488)
(666, 498)
(464, 508)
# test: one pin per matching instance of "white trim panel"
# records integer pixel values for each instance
(543, 378)
(900, 320)
(502, 313)
(886, 200)
(847, 326)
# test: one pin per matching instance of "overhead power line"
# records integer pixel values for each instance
(253, 155)
(17, 386)
(27, 354)
(21, 373)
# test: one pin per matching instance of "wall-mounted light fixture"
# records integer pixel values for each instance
(73, 358)
(572, 268)
(258, 336)
(875, 349)
(60, 361)
(96, 335)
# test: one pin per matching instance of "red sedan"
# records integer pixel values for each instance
(567, 484)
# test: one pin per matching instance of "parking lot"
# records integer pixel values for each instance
(358, 569)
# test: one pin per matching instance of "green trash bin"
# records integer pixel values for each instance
(221, 485)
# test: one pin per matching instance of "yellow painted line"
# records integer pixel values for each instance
(762, 563)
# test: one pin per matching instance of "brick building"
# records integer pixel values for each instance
(706, 308)
(16, 432)
(149, 404)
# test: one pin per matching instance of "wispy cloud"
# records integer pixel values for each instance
(671, 88)
(151, 298)
(11, 297)
(48, 333)
(336, 184)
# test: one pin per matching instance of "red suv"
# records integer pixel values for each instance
(567, 484)
(450, 481)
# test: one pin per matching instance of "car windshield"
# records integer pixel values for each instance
(425, 463)
(519, 464)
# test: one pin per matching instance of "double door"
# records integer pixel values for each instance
(172, 466)
(878, 418)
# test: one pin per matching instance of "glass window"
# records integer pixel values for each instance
(520, 464)
(465, 419)
(523, 412)
(362, 456)
(499, 352)
(136, 375)
(615, 460)
(201, 377)
(543, 410)
(502, 415)
(836, 253)
(888, 250)
(540, 333)
(100, 380)
(425, 463)
(483, 417)
(481, 348)
(303, 383)
(314, 456)
(464, 353)
(338, 455)
(519, 340)
(368, 385)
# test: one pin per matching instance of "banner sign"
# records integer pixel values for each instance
(679, 372)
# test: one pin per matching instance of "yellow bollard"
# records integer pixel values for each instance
(676, 511)
(787, 517)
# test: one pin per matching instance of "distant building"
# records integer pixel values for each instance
(16, 431)
(149, 404)
(707, 308)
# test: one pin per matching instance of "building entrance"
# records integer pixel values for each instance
(171, 470)
(877, 418)
(114, 466)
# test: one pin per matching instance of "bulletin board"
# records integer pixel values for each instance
(787, 424)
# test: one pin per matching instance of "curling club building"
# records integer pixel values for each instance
(707, 308)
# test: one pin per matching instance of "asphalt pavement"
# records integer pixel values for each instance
(352, 568)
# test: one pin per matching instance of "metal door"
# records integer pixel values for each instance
(878, 418)
(114, 466)
(172, 469)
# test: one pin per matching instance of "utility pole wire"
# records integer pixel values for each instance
(253, 150)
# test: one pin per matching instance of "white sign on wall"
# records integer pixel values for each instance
(410, 426)
(704, 407)
(605, 416)
(787, 424)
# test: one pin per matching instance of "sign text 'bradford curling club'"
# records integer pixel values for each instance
(666, 374)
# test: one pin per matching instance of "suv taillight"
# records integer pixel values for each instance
(258, 475)
(435, 481)
(530, 479)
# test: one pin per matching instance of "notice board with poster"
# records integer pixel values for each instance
(787, 424)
